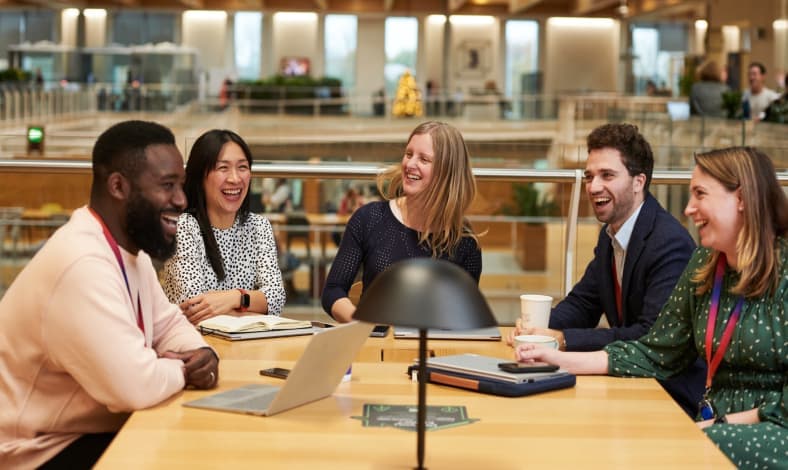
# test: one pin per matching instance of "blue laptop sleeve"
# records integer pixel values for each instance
(492, 386)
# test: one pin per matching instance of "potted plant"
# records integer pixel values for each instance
(731, 103)
(531, 248)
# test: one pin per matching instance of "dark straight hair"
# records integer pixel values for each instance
(202, 160)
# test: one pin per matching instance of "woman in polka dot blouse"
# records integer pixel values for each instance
(729, 307)
(226, 259)
(423, 215)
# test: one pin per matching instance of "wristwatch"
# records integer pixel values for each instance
(245, 301)
(721, 419)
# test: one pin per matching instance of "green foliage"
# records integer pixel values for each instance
(778, 110)
(731, 103)
(529, 202)
(280, 86)
(15, 75)
(685, 83)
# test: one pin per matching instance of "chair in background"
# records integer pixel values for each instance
(10, 231)
(297, 228)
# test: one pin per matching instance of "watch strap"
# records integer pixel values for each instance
(245, 301)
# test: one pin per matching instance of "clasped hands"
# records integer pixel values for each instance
(200, 367)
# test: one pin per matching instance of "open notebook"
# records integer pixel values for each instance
(254, 327)
(249, 323)
(314, 376)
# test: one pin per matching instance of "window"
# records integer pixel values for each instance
(340, 48)
(659, 54)
(522, 64)
(402, 37)
(247, 35)
(136, 28)
(17, 27)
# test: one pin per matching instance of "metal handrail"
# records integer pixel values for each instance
(359, 171)
(573, 177)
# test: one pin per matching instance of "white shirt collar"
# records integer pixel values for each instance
(625, 232)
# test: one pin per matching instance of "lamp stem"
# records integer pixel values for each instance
(422, 413)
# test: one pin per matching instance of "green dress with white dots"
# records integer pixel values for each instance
(753, 372)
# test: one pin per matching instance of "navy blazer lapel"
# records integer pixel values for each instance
(637, 241)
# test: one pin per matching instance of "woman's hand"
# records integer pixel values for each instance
(580, 363)
(534, 353)
(210, 304)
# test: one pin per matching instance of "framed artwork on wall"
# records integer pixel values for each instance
(473, 59)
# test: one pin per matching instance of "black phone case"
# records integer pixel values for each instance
(525, 369)
(272, 372)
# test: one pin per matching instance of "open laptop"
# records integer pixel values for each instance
(314, 376)
(480, 334)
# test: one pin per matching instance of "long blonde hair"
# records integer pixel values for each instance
(450, 193)
(765, 216)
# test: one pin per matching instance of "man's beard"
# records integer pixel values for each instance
(143, 224)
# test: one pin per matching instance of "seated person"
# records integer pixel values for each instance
(86, 333)
(706, 93)
(729, 307)
(226, 259)
(639, 256)
(423, 215)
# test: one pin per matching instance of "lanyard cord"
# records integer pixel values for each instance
(114, 246)
(714, 360)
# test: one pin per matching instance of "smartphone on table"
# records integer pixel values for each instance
(278, 372)
(380, 331)
(526, 367)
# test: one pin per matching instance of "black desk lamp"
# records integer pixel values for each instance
(425, 293)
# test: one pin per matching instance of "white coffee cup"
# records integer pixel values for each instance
(540, 341)
(535, 310)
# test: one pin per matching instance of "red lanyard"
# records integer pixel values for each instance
(714, 360)
(619, 302)
(114, 246)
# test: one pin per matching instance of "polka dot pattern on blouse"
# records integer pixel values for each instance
(250, 261)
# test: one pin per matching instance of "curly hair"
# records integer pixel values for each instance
(634, 149)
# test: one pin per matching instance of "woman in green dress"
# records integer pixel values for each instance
(729, 307)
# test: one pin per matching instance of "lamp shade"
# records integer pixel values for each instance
(425, 293)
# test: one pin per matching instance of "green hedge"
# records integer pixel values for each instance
(15, 75)
(292, 87)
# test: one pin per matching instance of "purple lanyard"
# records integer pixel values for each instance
(114, 246)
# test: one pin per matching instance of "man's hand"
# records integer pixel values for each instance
(519, 329)
(200, 367)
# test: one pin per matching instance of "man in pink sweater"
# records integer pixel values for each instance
(86, 332)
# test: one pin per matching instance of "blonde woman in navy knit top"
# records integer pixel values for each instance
(423, 215)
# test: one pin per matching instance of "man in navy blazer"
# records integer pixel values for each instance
(640, 255)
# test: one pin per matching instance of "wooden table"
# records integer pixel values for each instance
(385, 349)
(603, 422)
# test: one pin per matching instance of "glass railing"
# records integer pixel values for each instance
(538, 252)
(554, 135)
